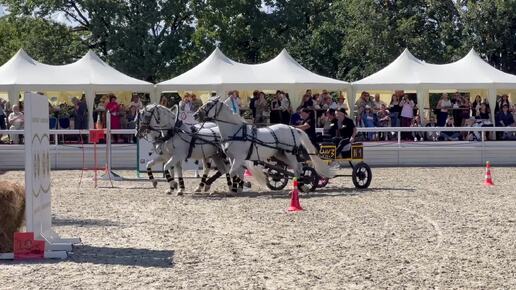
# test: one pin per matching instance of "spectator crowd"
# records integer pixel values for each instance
(316, 110)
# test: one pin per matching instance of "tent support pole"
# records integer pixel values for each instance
(351, 102)
(14, 96)
(421, 95)
(155, 95)
(491, 97)
(90, 103)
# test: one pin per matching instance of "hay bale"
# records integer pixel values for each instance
(12, 213)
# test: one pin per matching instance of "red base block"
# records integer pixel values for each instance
(25, 247)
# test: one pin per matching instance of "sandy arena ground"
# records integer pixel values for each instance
(414, 228)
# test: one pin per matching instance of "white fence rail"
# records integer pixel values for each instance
(382, 153)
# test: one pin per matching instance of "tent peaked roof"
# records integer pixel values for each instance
(471, 71)
(24, 73)
(217, 69)
(404, 72)
(101, 73)
(218, 72)
(408, 72)
(284, 69)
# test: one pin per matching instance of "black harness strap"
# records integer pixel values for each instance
(253, 144)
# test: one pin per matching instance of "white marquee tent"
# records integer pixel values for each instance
(221, 74)
(409, 73)
(89, 74)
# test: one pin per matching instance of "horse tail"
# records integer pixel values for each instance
(320, 166)
(257, 173)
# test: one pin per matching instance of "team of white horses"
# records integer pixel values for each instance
(222, 139)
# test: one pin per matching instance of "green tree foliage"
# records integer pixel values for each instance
(46, 41)
(348, 39)
(490, 27)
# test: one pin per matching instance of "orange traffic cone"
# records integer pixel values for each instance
(489, 179)
(247, 173)
(295, 205)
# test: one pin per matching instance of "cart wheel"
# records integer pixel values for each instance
(323, 181)
(309, 179)
(362, 175)
(276, 180)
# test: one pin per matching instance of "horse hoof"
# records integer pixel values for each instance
(155, 184)
(207, 188)
(180, 192)
(198, 189)
(169, 192)
(247, 184)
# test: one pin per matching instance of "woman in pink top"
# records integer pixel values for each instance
(114, 108)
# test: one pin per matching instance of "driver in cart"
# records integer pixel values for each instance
(347, 132)
(308, 125)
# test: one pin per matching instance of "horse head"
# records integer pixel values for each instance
(154, 119)
(210, 110)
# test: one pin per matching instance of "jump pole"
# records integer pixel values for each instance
(109, 174)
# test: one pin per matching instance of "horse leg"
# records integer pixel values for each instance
(181, 189)
(149, 173)
(205, 172)
(169, 175)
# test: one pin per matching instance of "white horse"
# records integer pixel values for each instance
(176, 142)
(245, 142)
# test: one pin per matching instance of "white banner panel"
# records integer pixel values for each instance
(37, 165)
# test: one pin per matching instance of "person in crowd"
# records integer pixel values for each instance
(475, 106)
(326, 101)
(418, 136)
(306, 102)
(432, 136)
(80, 113)
(252, 103)
(185, 105)
(296, 119)
(316, 101)
(457, 103)
(347, 133)
(136, 102)
(309, 93)
(378, 103)
(131, 119)
(407, 111)
(261, 109)
(196, 102)
(505, 119)
(483, 112)
(123, 116)
(308, 125)
(384, 120)
(329, 123)
(450, 135)
(465, 110)
(3, 114)
(472, 135)
(16, 121)
(362, 102)
(233, 102)
(407, 114)
(503, 100)
(369, 120)
(285, 108)
(341, 103)
(114, 109)
(276, 109)
(395, 111)
(443, 106)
